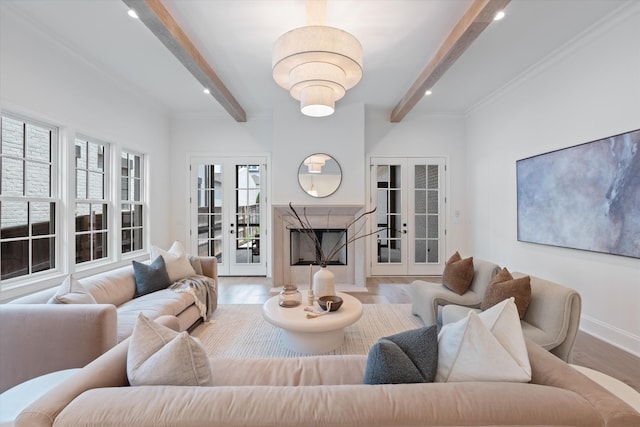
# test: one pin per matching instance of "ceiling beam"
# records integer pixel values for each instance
(478, 17)
(158, 19)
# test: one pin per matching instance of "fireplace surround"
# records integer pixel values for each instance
(330, 219)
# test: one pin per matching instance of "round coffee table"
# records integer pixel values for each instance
(312, 336)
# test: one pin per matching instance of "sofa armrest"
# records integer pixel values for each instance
(36, 339)
(546, 369)
(209, 266)
(426, 297)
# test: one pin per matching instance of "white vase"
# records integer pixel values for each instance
(323, 283)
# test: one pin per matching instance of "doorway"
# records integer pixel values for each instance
(227, 216)
(410, 199)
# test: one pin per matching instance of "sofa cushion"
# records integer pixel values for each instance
(71, 291)
(458, 273)
(150, 277)
(406, 357)
(112, 287)
(488, 346)
(158, 355)
(504, 286)
(176, 261)
(153, 305)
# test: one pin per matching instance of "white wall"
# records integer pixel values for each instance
(42, 79)
(428, 136)
(587, 91)
(208, 136)
(296, 136)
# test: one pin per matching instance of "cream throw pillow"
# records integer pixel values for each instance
(484, 347)
(71, 291)
(158, 355)
(176, 261)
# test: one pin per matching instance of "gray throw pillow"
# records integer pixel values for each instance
(407, 357)
(150, 277)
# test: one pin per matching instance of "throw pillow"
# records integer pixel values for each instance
(158, 355)
(407, 357)
(150, 277)
(488, 346)
(458, 274)
(71, 291)
(176, 260)
(504, 286)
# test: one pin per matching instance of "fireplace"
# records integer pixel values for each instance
(292, 252)
(303, 251)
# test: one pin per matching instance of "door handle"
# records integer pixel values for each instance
(231, 231)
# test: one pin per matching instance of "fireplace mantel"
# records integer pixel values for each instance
(321, 209)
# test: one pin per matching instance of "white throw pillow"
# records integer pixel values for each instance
(176, 261)
(71, 291)
(484, 347)
(159, 355)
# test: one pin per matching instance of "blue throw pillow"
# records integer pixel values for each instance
(150, 277)
(407, 357)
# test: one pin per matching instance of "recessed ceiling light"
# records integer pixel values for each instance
(132, 13)
(427, 93)
(207, 91)
(499, 15)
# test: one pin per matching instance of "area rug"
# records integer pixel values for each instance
(238, 330)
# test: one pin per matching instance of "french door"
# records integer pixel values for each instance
(409, 196)
(227, 215)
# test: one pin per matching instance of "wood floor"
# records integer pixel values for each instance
(588, 350)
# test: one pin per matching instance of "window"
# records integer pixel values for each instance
(91, 211)
(132, 202)
(28, 197)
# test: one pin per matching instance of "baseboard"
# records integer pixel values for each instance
(611, 334)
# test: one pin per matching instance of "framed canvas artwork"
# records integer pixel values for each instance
(583, 197)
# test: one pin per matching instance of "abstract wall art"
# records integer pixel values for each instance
(583, 197)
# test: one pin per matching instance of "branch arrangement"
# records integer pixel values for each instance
(304, 225)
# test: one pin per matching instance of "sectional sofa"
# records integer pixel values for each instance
(52, 337)
(325, 391)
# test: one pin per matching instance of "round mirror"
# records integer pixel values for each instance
(319, 175)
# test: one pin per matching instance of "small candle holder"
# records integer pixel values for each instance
(310, 298)
(290, 296)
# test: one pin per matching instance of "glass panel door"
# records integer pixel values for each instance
(227, 214)
(426, 217)
(409, 196)
(209, 211)
(390, 245)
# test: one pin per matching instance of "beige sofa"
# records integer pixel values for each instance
(551, 320)
(37, 338)
(325, 391)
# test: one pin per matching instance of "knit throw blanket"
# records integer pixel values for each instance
(204, 291)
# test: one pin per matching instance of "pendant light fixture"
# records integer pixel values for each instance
(317, 64)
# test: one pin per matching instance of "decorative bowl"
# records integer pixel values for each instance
(336, 302)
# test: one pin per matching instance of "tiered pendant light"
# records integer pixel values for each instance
(317, 64)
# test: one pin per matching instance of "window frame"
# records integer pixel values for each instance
(105, 202)
(54, 199)
(133, 203)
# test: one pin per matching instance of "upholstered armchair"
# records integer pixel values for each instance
(427, 297)
(551, 320)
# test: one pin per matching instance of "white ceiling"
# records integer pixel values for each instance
(236, 36)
